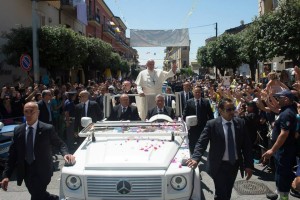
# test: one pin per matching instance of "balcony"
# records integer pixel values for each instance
(94, 20)
(68, 4)
(122, 42)
(109, 31)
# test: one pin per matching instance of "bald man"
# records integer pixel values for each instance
(124, 111)
(31, 153)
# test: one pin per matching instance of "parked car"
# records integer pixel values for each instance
(132, 161)
(6, 134)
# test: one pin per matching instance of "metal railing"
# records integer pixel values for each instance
(108, 97)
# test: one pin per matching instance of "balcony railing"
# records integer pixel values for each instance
(94, 18)
(120, 40)
(109, 29)
(67, 2)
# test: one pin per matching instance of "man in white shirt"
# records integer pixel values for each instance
(149, 84)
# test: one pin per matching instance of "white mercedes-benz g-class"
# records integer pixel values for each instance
(131, 161)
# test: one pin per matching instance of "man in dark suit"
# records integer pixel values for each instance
(230, 149)
(100, 98)
(160, 108)
(169, 99)
(186, 94)
(126, 89)
(31, 154)
(45, 107)
(86, 108)
(124, 111)
(201, 108)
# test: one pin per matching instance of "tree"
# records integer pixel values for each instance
(61, 48)
(279, 33)
(114, 62)
(248, 52)
(19, 41)
(222, 53)
(203, 57)
(124, 66)
(98, 54)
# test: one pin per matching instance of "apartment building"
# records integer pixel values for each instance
(91, 18)
(180, 54)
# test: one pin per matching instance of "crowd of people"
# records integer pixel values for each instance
(265, 111)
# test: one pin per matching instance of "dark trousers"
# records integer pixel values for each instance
(36, 184)
(194, 134)
(284, 174)
(224, 180)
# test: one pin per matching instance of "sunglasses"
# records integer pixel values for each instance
(230, 109)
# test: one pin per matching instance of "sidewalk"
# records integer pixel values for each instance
(261, 182)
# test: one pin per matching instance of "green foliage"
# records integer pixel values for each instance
(98, 54)
(61, 48)
(203, 57)
(19, 41)
(222, 53)
(134, 72)
(187, 71)
(114, 62)
(125, 66)
(279, 33)
(248, 51)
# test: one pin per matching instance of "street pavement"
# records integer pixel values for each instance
(264, 177)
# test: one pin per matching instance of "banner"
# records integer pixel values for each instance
(159, 38)
(107, 73)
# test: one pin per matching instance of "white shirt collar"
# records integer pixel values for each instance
(224, 121)
(34, 125)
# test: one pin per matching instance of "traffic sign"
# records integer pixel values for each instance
(25, 62)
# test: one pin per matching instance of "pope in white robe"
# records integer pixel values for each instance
(149, 84)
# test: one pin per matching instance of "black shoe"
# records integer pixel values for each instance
(295, 193)
(272, 196)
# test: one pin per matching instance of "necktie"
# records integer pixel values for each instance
(198, 108)
(29, 146)
(160, 111)
(83, 110)
(123, 110)
(230, 142)
(49, 110)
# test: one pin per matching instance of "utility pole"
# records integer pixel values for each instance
(36, 64)
(216, 30)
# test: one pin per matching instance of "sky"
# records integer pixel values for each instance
(199, 16)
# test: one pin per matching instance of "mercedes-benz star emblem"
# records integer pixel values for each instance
(123, 187)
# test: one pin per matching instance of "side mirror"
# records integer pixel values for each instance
(191, 121)
(85, 121)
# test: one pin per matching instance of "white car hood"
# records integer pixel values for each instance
(131, 154)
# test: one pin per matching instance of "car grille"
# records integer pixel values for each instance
(124, 187)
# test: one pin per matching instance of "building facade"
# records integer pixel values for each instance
(100, 23)
(180, 54)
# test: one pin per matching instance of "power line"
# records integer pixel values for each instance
(202, 26)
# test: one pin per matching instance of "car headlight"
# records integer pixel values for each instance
(178, 182)
(73, 182)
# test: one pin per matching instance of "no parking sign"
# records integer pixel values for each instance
(25, 62)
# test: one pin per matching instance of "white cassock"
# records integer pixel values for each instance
(150, 83)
